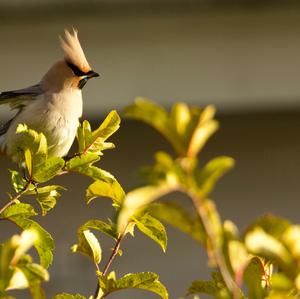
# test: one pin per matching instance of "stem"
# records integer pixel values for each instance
(218, 255)
(16, 197)
(111, 258)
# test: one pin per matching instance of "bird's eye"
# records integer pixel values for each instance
(77, 72)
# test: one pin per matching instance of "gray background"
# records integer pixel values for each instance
(242, 56)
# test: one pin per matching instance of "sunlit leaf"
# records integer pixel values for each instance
(291, 239)
(17, 281)
(260, 243)
(172, 213)
(272, 225)
(35, 275)
(47, 170)
(152, 228)
(46, 197)
(84, 165)
(144, 280)
(139, 198)
(111, 189)
(94, 141)
(211, 172)
(238, 256)
(44, 243)
(215, 287)
(155, 116)
(17, 180)
(203, 286)
(181, 117)
(109, 126)
(20, 209)
(88, 245)
(205, 127)
(253, 277)
(279, 281)
(94, 246)
(16, 269)
(7, 252)
(34, 146)
(68, 296)
(108, 229)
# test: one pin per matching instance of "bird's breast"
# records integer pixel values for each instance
(56, 115)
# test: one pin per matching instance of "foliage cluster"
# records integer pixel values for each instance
(263, 262)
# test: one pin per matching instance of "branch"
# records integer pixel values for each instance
(111, 258)
(218, 255)
(16, 197)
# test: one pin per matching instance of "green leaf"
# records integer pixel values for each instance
(203, 286)
(279, 281)
(83, 164)
(46, 197)
(253, 278)
(272, 225)
(139, 199)
(44, 243)
(238, 255)
(172, 213)
(281, 295)
(84, 133)
(144, 280)
(180, 117)
(155, 116)
(165, 169)
(7, 252)
(14, 261)
(20, 209)
(260, 243)
(88, 245)
(17, 180)
(207, 177)
(109, 126)
(68, 296)
(108, 229)
(35, 275)
(93, 245)
(291, 239)
(206, 126)
(152, 228)
(34, 146)
(48, 169)
(94, 142)
(215, 287)
(186, 128)
(110, 189)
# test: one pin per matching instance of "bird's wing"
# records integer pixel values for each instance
(18, 98)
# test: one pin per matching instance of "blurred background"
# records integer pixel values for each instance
(241, 56)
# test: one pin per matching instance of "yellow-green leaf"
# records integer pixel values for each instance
(152, 228)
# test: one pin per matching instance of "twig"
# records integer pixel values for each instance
(219, 258)
(16, 197)
(110, 260)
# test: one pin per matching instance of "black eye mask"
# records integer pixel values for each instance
(77, 72)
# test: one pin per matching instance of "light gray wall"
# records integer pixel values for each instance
(235, 59)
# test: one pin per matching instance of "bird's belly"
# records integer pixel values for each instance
(59, 129)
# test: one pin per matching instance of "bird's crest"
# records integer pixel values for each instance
(73, 51)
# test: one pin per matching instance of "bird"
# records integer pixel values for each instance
(53, 106)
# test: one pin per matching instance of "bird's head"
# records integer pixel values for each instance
(74, 71)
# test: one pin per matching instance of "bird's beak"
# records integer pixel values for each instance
(92, 74)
